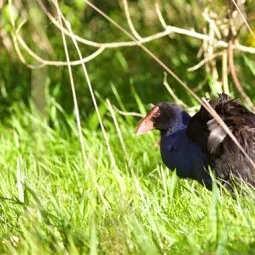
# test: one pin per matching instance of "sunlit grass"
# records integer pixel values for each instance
(52, 202)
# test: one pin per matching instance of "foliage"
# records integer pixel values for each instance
(53, 203)
(121, 67)
(118, 199)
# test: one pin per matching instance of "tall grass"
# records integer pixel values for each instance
(52, 203)
(120, 199)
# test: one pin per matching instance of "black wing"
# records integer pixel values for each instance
(223, 154)
(204, 130)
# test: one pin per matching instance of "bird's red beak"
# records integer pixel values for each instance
(146, 124)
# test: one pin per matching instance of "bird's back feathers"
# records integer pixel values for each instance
(223, 154)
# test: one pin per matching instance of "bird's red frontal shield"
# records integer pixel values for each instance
(146, 124)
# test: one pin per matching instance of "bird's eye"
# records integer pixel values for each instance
(156, 114)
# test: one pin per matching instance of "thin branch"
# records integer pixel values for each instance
(171, 92)
(225, 72)
(129, 20)
(235, 77)
(102, 46)
(212, 24)
(164, 25)
(160, 16)
(244, 19)
(96, 44)
(243, 48)
(205, 60)
(57, 63)
(18, 51)
(223, 44)
(134, 114)
(18, 39)
(168, 30)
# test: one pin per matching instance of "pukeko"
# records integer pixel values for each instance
(191, 144)
(177, 150)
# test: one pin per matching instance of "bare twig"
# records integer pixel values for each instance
(18, 39)
(202, 62)
(244, 19)
(102, 46)
(168, 30)
(225, 71)
(209, 49)
(106, 45)
(134, 114)
(212, 24)
(57, 63)
(235, 78)
(160, 16)
(243, 48)
(129, 20)
(171, 92)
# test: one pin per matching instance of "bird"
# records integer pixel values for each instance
(192, 145)
(178, 151)
(227, 161)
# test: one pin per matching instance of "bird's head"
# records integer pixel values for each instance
(164, 117)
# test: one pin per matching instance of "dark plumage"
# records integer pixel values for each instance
(223, 155)
(189, 145)
(177, 150)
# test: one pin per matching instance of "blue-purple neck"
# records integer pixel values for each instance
(177, 124)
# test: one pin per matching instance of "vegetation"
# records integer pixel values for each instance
(52, 202)
(93, 187)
